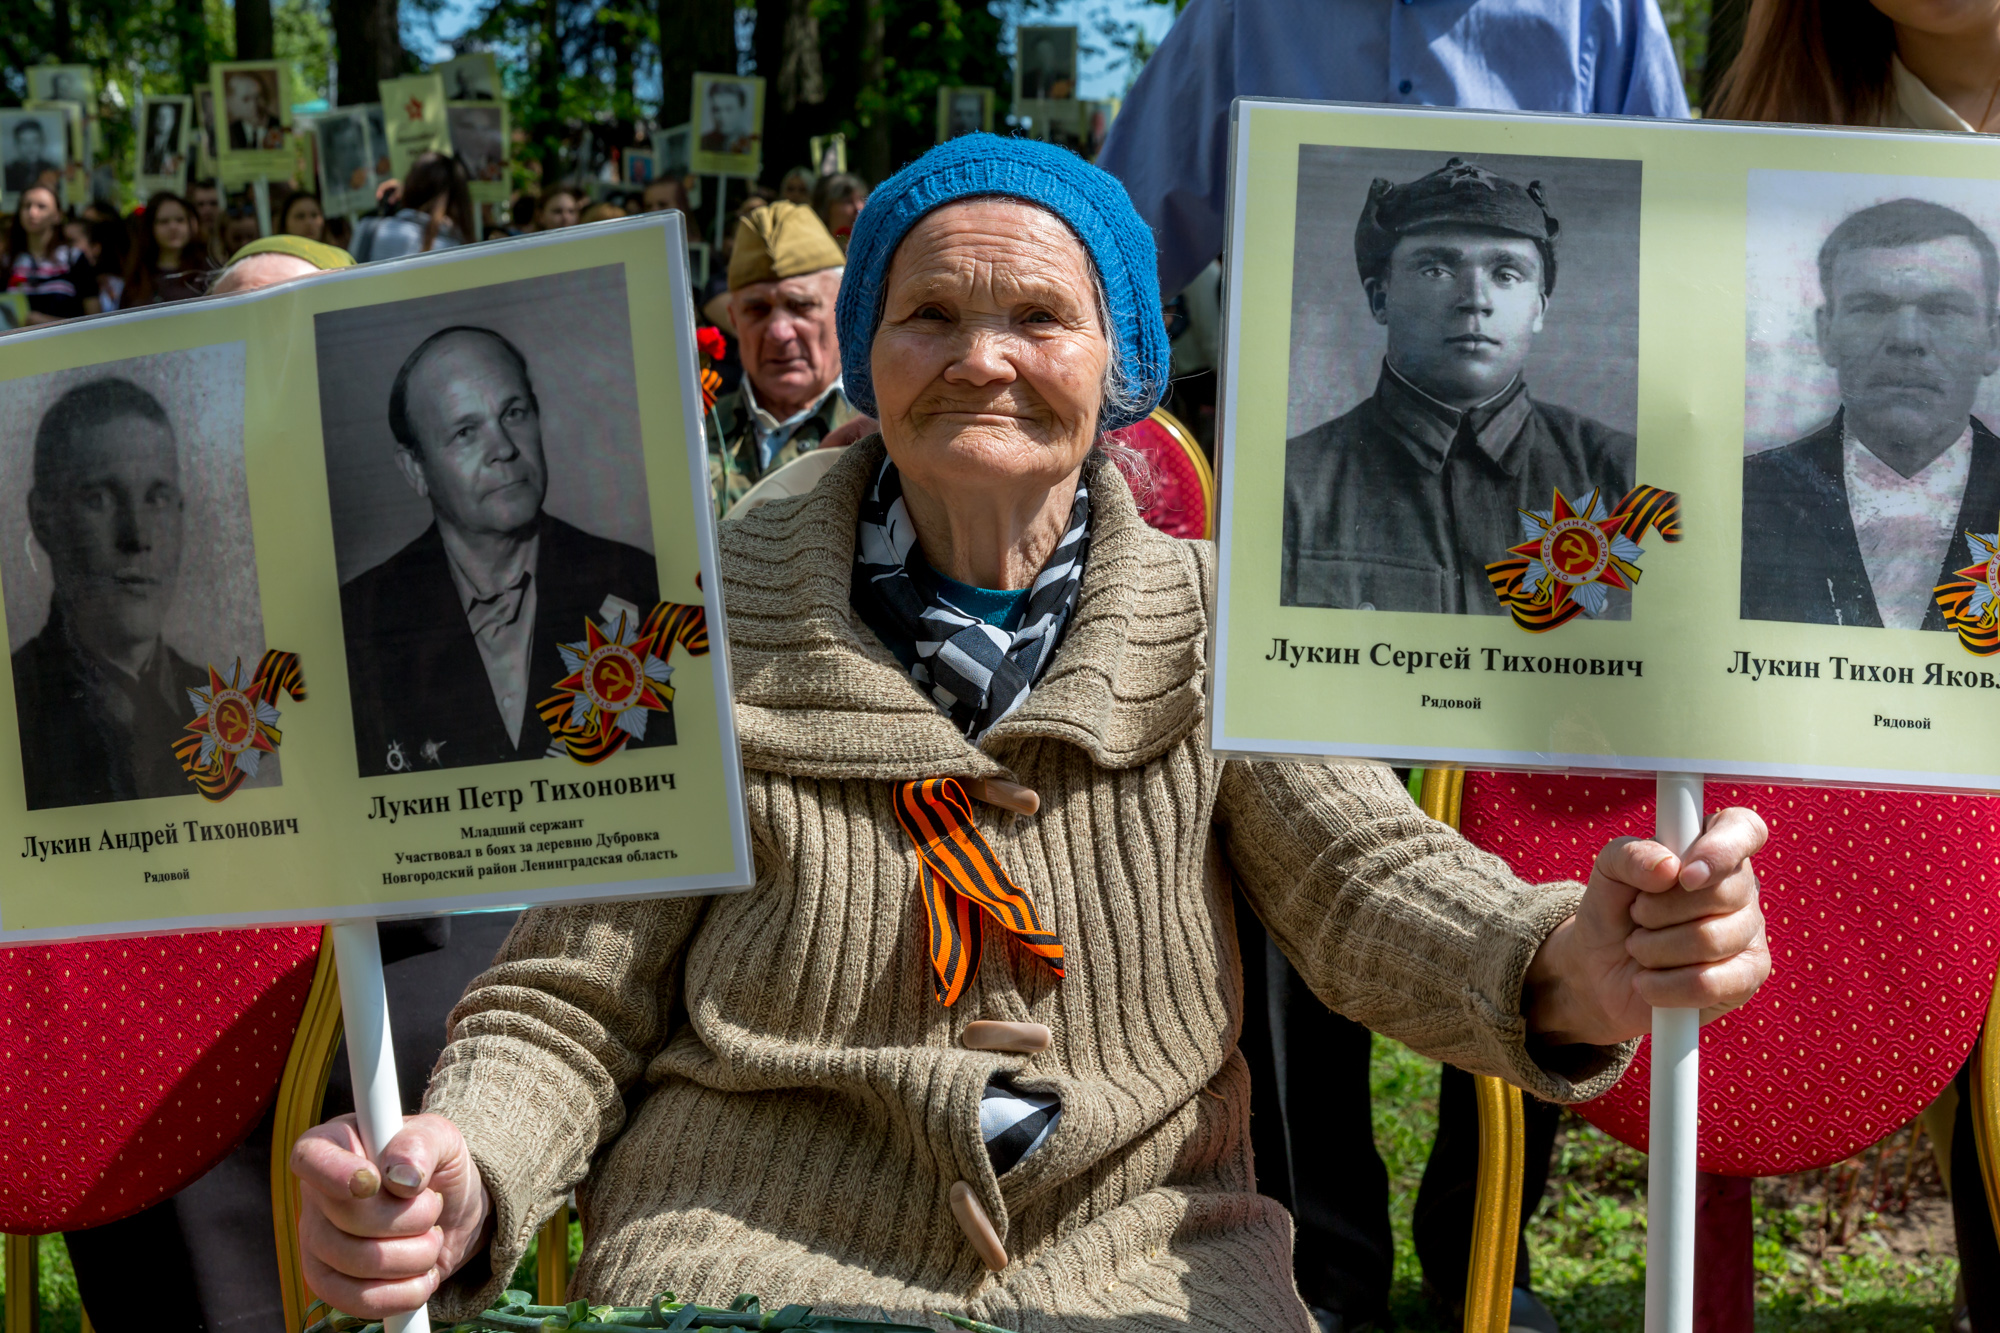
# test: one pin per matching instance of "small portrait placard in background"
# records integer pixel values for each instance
(637, 166)
(479, 139)
(1044, 64)
(347, 177)
(473, 77)
(166, 140)
(728, 118)
(64, 83)
(964, 111)
(1564, 442)
(413, 117)
(254, 110)
(829, 153)
(34, 150)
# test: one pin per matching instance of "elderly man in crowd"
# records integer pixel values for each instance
(783, 279)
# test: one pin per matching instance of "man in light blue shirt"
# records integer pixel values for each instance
(1170, 146)
(1170, 141)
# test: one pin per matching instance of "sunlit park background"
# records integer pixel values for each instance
(1863, 1245)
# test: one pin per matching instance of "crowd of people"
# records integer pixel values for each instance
(67, 262)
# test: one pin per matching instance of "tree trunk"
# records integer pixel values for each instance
(191, 30)
(253, 30)
(696, 36)
(548, 91)
(874, 155)
(367, 46)
(800, 77)
(62, 40)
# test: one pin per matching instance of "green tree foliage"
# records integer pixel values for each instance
(879, 65)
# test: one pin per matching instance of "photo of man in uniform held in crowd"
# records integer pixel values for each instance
(1416, 438)
(136, 590)
(1860, 518)
(465, 417)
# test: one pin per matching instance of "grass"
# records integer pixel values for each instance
(1864, 1246)
(1826, 1262)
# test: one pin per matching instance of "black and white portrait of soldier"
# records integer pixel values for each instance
(469, 416)
(164, 154)
(1856, 517)
(729, 117)
(31, 148)
(1422, 348)
(134, 572)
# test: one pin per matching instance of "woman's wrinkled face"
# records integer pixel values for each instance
(990, 361)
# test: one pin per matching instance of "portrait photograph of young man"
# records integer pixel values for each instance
(1872, 346)
(128, 568)
(488, 490)
(1442, 379)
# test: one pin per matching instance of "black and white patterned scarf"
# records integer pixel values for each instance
(976, 672)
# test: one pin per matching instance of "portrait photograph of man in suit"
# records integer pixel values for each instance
(469, 417)
(1441, 380)
(1866, 465)
(128, 568)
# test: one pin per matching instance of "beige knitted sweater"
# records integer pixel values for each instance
(758, 1092)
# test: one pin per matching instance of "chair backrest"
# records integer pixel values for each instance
(129, 1067)
(1183, 500)
(1883, 910)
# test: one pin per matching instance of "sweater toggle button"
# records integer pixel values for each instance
(987, 1034)
(1007, 795)
(978, 1228)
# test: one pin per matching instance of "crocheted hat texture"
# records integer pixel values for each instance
(1091, 201)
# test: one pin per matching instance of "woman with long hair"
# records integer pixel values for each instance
(433, 212)
(557, 208)
(1908, 64)
(302, 216)
(1902, 64)
(56, 276)
(171, 260)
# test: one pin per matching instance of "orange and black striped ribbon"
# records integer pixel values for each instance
(670, 623)
(1980, 634)
(1642, 507)
(958, 871)
(219, 780)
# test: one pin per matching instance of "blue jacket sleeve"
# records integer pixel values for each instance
(1636, 70)
(1170, 142)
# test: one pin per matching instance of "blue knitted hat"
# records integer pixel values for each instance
(1091, 201)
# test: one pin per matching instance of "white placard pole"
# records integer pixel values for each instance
(260, 190)
(1670, 1160)
(371, 1058)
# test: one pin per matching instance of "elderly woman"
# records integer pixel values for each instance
(969, 1043)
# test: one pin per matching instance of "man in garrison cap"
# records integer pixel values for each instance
(783, 278)
(1401, 503)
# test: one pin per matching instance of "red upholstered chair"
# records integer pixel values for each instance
(129, 1067)
(1884, 920)
(1183, 503)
